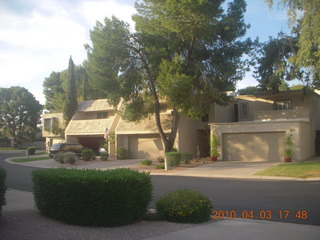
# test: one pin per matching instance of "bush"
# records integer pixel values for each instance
(122, 153)
(2, 188)
(186, 157)
(160, 160)
(59, 157)
(92, 197)
(104, 156)
(87, 154)
(31, 150)
(160, 166)
(146, 162)
(185, 206)
(67, 157)
(173, 158)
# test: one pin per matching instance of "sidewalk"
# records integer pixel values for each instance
(21, 221)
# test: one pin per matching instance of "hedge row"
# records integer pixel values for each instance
(92, 197)
(2, 187)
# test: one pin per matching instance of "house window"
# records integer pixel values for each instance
(205, 118)
(244, 110)
(47, 124)
(283, 105)
(101, 115)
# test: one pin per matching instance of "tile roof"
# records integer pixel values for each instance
(88, 127)
(94, 105)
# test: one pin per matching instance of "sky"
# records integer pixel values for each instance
(38, 36)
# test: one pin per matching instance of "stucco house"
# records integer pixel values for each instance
(141, 139)
(253, 128)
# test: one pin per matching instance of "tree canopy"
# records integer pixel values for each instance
(186, 53)
(304, 16)
(19, 113)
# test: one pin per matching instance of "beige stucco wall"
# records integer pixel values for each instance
(253, 146)
(50, 116)
(220, 113)
(270, 127)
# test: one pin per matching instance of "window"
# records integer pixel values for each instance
(283, 105)
(102, 115)
(244, 110)
(205, 118)
(47, 124)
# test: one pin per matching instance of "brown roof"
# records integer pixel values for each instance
(94, 105)
(88, 127)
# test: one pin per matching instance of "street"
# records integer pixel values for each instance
(287, 201)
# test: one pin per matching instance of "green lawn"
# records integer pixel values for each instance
(299, 170)
(30, 159)
(8, 148)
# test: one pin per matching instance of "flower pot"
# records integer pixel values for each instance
(213, 158)
(287, 159)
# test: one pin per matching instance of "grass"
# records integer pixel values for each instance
(30, 159)
(299, 170)
(8, 148)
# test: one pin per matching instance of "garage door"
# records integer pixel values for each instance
(253, 146)
(144, 146)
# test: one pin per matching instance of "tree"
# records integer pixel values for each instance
(251, 90)
(55, 87)
(186, 53)
(274, 67)
(19, 113)
(304, 15)
(71, 103)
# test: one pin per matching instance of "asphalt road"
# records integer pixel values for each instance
(287, 201)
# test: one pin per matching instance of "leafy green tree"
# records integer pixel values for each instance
(251, 90)
(71, 103)
(187, 53)
(19, 113)
(274, 67)
(304, 16)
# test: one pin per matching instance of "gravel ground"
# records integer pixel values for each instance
(30, 225)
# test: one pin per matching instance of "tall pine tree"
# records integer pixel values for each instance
(71, 103)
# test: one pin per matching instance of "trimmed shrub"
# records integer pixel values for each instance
(67, 157)
(92, 197)
(31, 150)
(146, 162)
(59, 157)
(160, 166)
(104, 156)
(173, 158)
(186, 157)
(185, 206)
(122, 153)
(3, 188)
(87, 154)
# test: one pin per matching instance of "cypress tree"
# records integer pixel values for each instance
(71, 103)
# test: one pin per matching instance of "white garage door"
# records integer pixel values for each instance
(253, 146)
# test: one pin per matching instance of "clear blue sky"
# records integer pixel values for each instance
(38, 36)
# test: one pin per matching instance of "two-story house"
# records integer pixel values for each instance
(141, 139)
(253, 128)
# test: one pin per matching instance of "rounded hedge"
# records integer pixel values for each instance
(31, 150)
(87, 154)
(2, 188)
(185, 206)
(92, 197)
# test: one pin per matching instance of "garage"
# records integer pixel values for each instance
(249, 147)
(147, 146)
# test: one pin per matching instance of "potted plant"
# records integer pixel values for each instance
(288, 152)
(214, 148)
